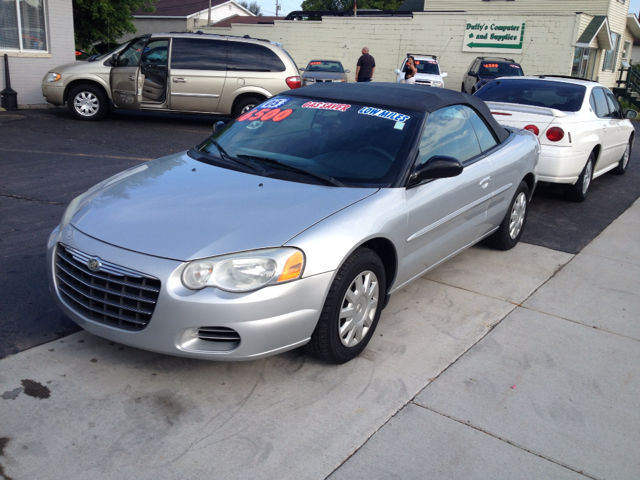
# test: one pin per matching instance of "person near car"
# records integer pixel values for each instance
(410, 70)
(366, 66)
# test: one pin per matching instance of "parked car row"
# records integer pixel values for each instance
(293, 224)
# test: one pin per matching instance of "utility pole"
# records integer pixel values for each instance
(209, 16)
(278, 7)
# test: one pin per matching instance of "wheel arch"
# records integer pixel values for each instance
(259, 95)
(385, 249)
(84, 81)
(530, 180)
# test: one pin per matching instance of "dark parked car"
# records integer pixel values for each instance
(324, 71)
(484, 69)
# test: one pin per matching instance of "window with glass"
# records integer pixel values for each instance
(610, 56)
(583, 62)
(563, 96)
(22, 25)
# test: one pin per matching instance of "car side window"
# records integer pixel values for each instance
(474, 66)
(131, 55)
(614, 106)
(155, 52)
(449, 132)
(599, 103)
(199, 54)
(253, 58)
(485, 137)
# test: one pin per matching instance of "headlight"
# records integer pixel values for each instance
(341, 80)
(436, 84)
(246, 271)
(53, 77)
(310, 80)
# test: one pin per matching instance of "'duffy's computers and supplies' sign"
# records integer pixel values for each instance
(493, 36)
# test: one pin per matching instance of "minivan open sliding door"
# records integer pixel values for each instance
(126, 78)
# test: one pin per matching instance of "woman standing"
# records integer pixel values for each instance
(410, 70)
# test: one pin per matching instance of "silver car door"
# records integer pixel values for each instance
(606, 128)
(126, 77)
(619, 134)
(446, 215)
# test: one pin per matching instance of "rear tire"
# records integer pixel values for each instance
(352, 309)
(578, 192)
(245, 105)
(510, 230)
(624, 161)
(86, 102)
(462, 88)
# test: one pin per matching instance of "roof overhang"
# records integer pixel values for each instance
(633, 25)
(598, 29)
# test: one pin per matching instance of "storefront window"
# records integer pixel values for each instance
(610, 56)
(22, 25)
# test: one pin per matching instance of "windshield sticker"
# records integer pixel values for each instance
(340, 107)
(265, 114)
(377, 112)
(274, 103)
(399, 125)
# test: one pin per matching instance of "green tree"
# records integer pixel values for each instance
(97, 21)
(342, 5)
(253, 7)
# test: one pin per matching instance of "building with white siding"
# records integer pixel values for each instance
(586, 38)
(36, 35)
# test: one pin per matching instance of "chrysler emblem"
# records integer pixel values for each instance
(94, 264)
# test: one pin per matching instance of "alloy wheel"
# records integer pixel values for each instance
(86, 104)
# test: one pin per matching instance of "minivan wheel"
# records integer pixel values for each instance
(351, 310)
(87, 102)
(462, 88)
(510, 230)
(245, 105)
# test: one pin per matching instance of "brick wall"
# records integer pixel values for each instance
(27, 69)
(548, 43)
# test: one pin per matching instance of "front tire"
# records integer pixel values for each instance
(245, 105)
(578, 192)
(510, 230)
(352, 309)
(462, 88)
(86, 102)
(624, 161)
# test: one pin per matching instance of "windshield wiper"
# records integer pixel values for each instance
(252, 166)
(325, 178)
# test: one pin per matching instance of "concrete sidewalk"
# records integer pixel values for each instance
(552, 392)
(519, 364)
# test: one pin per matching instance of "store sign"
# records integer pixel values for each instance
(493, 36)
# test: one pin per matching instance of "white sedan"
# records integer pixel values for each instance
(582, 129)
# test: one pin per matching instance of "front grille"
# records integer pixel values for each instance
(109, 294)
(227, 338)
(423, 82)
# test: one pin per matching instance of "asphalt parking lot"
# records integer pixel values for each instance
(48, 158)
(518, 364)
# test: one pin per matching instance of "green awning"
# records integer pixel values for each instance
(597, 28)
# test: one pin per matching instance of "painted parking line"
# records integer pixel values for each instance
(76, 154)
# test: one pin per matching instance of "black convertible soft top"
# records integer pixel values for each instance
(398, 95)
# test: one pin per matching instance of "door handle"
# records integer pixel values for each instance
(484, 183)
(179, 80)
(132, 78)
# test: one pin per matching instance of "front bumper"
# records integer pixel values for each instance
(561, 164)
(268, 321)
(53, 93)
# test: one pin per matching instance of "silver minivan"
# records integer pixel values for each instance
(175, 72)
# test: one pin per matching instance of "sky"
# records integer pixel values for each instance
(269, 6)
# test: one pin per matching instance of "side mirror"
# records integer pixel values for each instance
(218, 126)
(439, 166)
(630, 114)
(301, 69)
(444, 74)
(347, 71)
(473, 74)
(114, 60)
(397, 71)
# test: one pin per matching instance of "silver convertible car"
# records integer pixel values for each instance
(293, 224)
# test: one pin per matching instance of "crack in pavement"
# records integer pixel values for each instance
(20, 197)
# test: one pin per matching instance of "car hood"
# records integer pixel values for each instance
(179, 208)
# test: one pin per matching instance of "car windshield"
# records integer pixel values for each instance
(325, 66)
(427, 66)
(95, 58)
(563, 96)
(500, 69)
(310, 141)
